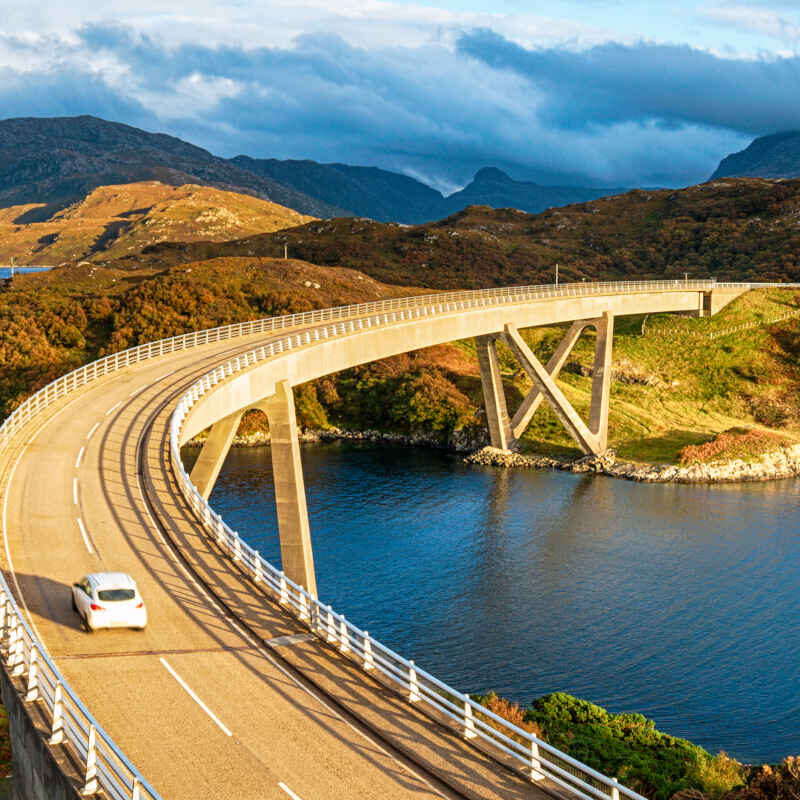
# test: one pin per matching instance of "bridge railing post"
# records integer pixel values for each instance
(469, 721)
(57, 725)
(413, 682)
(90, 776)
(33, 675)
(369, 659)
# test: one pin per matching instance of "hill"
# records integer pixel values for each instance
(744, 229)
(775, 156)
(113, 221)
(58, 161)
(492, 187)
(364, 191)
(390, 197)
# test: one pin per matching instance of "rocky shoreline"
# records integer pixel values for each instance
(782, 463)
(462, 441)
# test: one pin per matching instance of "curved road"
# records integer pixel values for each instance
(197, 701)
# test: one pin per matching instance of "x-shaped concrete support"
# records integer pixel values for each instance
(504, 433)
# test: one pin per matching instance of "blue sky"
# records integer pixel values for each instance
(612, 93)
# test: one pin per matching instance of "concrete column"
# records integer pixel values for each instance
(601, 383)
(290, 494)
(212, 456)
(494, 396)
(524, 414)
(569, 417)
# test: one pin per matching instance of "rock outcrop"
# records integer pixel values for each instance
(782, 463)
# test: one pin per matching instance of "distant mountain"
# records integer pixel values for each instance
(492, 187)
(775, 156)
(365, 191)
(391, 197)
(58, 161)
(113, 221)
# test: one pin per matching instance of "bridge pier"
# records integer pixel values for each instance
(591, 438)
(297, 556)
(212, 456)
(287, 471)
(494, 397)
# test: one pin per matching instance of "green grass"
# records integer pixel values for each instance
(700, 386)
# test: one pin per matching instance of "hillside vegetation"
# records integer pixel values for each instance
(736, 229)
(674, 385)
(114, 221)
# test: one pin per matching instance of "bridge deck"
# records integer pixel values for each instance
(270, 726)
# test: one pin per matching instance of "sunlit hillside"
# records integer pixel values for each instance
(114, 221)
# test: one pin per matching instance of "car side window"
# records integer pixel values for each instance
(86, 586)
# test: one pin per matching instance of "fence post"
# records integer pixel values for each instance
(33, 676)
(369, 660)
(257, 575)
(90, 781)
(137, 792)
(536, 765)
(237, 547)
(57, 727)
(331, 626)
(614, 789)
(344, 637)
(469, 722)
(413, 683)
(284, 590)
(304, 607)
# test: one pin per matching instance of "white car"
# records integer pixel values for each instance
(109, 600)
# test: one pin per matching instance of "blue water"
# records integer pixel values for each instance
(679, 602)
(5, 272)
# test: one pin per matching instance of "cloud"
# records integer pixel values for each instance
(671, 85)
(613, 114)
(765, 21)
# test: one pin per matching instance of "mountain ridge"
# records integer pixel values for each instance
(53, 162)
(776, 155)
(57, 161)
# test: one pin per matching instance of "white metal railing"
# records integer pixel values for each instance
(534, 756)
(105, 765)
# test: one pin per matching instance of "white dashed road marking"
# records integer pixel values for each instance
(85, 537)
(194, 697)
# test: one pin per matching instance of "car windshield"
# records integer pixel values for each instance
(111, 595)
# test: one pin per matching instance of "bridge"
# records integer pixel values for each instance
(244, 684)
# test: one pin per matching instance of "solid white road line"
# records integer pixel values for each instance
(85, 537)
(94, 428)
(195, 697)
(288, 791)
(75, 491)
(80, 456)
(113, 408)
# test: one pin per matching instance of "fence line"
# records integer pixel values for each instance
(746, 326)
(106, 766)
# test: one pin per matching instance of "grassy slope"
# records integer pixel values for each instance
(114, 221)
(735, 228)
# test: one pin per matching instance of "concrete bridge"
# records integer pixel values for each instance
(244, 685)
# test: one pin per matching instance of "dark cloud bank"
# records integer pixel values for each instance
(643, 114)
